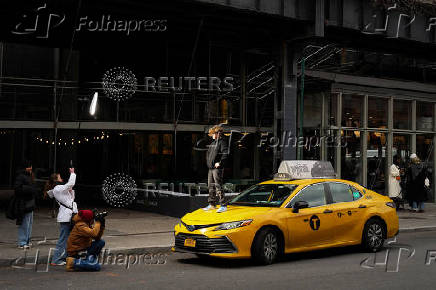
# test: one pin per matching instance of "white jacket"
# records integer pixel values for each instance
(64, 194)
(394, 184)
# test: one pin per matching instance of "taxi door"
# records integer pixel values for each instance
(349, 211)
(313, 226)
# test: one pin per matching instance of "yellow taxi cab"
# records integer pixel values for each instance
(303, 208)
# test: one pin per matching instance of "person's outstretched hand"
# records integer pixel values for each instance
(71, 170)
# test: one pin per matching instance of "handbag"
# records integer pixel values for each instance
(72, 223)
(428, 192)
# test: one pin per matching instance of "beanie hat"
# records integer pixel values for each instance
(86, 215)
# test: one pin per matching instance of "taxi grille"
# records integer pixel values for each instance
(204, 245)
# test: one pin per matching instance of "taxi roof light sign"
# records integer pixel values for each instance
(304, 169)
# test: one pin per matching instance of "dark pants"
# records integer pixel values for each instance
(90, 262)
(215, 185)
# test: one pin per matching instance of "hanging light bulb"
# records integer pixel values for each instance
(93, 106)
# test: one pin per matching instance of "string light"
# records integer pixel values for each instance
(72, 141)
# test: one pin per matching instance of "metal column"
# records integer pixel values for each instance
(364, 143)
(433, 186)
(413, 127)
(289, 91)
(338, 142)
(390, 142)
(324, 124)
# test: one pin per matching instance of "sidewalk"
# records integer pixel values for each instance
(411, 221)
(129, 231)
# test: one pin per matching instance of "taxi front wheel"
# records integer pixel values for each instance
(266, 247)
(373, 235)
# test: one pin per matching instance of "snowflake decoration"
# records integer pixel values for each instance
(119, 190)
(119, 83)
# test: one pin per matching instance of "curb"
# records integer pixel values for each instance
(418, 229)
(42, 259)
(7, 262)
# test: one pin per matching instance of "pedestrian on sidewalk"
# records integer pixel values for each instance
(64, 196)
(85, 238)
(416, 179)
(394, 182)
(25, 193)
(216, 157)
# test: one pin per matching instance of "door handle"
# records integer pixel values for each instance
(328, 211)
(362, 206)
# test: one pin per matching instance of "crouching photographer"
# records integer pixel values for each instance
(84, 243)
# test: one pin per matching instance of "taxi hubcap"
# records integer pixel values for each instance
(375, 236)
(270, 246)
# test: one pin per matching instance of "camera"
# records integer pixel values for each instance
(98, 216)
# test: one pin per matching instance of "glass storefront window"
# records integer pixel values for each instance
(331, 144)
(332, 108)
(424, 150)
(424, 147)
(351, 161)
(401, 146)
(312, 125)
(402, 114)
(377, 112)
(376, 161)
(424, 116)
(352, 106)
(312, 110)
(312, 144)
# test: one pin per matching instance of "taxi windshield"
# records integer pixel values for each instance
(266, 195)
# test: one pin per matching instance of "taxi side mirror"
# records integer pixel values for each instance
(299, 205)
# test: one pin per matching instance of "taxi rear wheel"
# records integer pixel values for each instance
(266, 247)
(373, 235)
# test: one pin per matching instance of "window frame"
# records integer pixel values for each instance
(331, 200)
(323, 183)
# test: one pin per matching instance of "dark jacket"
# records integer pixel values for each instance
(24, 198)
(218, 152)
(416, 175)
(81, 235)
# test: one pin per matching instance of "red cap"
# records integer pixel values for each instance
(86, 215)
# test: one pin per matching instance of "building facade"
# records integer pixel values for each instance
(353, 82)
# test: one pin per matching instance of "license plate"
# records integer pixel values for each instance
(190, 243)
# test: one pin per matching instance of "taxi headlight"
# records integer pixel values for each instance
(233, 225)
